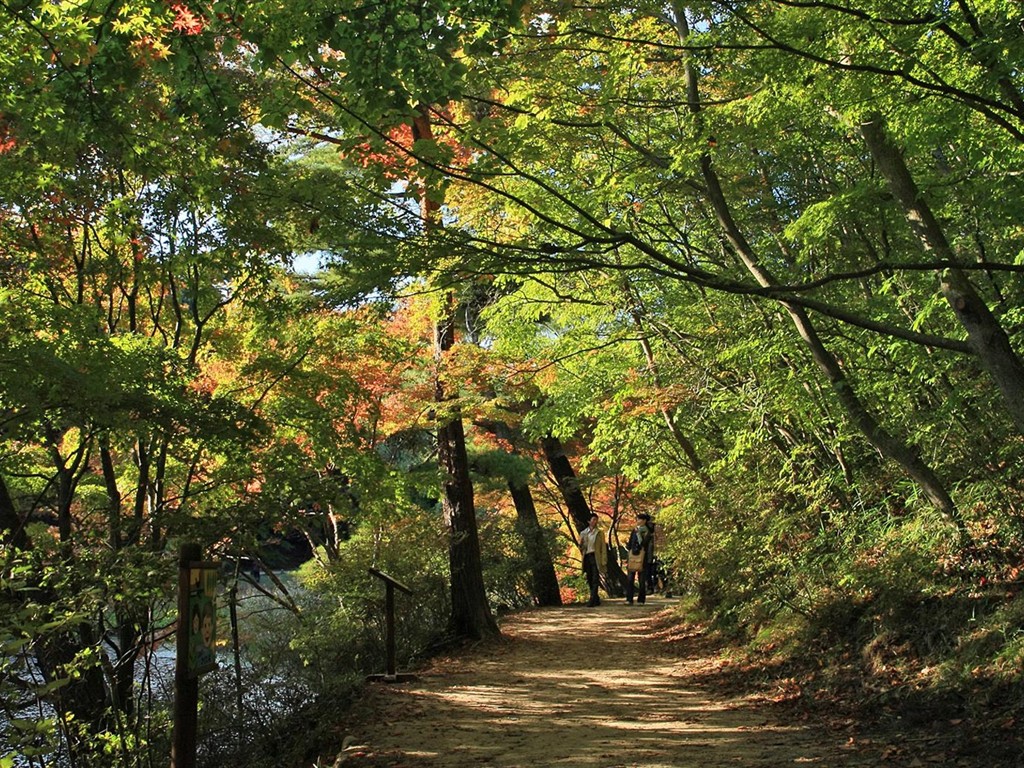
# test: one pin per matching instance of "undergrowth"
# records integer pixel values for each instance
(907, 631)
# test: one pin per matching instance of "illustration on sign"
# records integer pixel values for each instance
(202, 611)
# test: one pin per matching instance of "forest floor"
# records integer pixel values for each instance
(615, 686)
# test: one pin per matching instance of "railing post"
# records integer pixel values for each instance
(390, 583)
(389, 610)
(195, 648)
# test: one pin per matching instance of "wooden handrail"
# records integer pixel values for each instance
(390, 584)
(390, 580)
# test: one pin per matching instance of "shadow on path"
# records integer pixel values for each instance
(572, 686)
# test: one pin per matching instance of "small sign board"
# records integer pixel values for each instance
(202, 617)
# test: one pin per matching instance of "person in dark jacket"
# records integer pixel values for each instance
(641, 541)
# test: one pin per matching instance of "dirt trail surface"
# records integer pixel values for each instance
(574, 686)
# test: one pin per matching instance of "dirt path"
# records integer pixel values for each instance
(574, 687)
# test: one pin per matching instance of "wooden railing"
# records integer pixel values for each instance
(390, 585)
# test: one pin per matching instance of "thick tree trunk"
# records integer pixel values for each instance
(986, 336)
(568, 484)
(542, 569)
(471, 614)
(576, 503)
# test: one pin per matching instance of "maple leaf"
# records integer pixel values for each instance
(185, 21)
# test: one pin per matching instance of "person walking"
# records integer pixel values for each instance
(595, 557)
(640, 545)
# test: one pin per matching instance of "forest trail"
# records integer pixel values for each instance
(606, 687)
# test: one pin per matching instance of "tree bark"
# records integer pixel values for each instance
(565, 479)
(542, 569)
(985, 335)
(576, 503)
(471, 614)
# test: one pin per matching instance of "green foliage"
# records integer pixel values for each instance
(164, 380)
(506, 566)
(22, 628)
(409, 548)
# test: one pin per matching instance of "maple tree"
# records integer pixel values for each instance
(362, 76)
(128, 229)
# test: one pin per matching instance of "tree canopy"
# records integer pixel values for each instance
(753, 268)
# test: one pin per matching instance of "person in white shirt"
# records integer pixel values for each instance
(595, 557)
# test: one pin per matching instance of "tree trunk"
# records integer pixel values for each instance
(542, 568)
(545, 582)
(568, 484)
(984, 333)
(576, 504)
(471, 614)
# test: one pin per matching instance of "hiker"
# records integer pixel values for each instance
(654, 574)
(639, 552)
(652, 567)
(595, 557)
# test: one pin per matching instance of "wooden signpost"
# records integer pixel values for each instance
(195, 649)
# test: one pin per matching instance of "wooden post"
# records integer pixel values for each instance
(390, 675)
(186, 686)
(389, 610)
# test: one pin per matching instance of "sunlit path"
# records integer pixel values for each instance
(573, 687)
